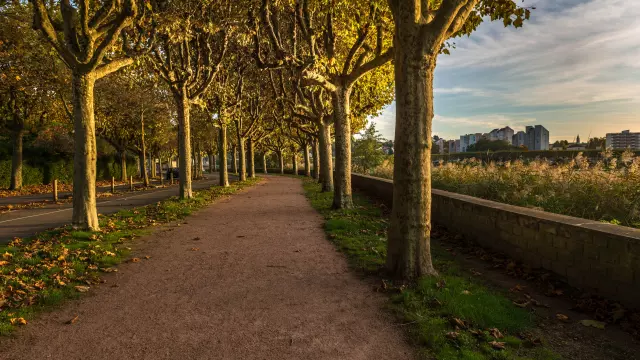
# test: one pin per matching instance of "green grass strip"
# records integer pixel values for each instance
(452, 316)
(39, 272)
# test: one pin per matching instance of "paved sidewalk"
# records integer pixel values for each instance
(250, 277)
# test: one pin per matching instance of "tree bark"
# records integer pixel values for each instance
(307, 162)
(252, 157)
(212, 166)
(281, 160)
(234, 159)
(16, 160)
(222, 150)
(342, 124)
(184, 149)
(242, 171)
(409, 247)
(326, 161)
(316, 159)
(143, 154)
(264, 163)
(123, 165)
(85, 213)
(294, 161)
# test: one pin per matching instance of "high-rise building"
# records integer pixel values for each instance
(537, 138)
(440, 144)
(452, 147)
(623, 140)
(505, 134)
(457, 142)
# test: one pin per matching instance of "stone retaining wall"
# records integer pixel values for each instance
(591, 255)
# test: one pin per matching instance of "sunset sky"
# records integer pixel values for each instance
(573, 68)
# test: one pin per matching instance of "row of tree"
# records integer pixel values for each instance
(288, 76)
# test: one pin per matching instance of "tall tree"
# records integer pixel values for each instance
(354, 43)
(84, 34)
(422, 28)
(187, 56)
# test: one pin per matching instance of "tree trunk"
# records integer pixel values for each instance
(143, 159)
(342, 124)
(16, 160)
(307, 162)
(85, 213)
(234, 159)
(184, 150)
(242, 171)
(281, 160)
(326, 163)
(222, 150)
(264, 163)
(123, 165)
(252, 157)
(212, 166)
(316, 159)
(294, 161)
(409, 247)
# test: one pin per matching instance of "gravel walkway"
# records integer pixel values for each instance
(251, 277)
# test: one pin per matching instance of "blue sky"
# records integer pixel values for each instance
(574, 68)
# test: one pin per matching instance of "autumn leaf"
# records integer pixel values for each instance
(522, 305)
(497, 345)
(72, 321)
(593, 323)
(466, 292)
(7, 256)
(452, 335)
(81, 288)
(496, 333)
(459, 323)
(194, 249)
(562, 317)
(18, 321)
(3, 263)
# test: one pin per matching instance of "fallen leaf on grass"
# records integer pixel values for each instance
(496, 333)
(72, 321)
(18, 321)
(81, 288)
(3, 263)
(466, 292)
(452, 335)
(593, 323)
(459, 323)
(440, 284)
(497, 345)
(522, 305)
(562, 317)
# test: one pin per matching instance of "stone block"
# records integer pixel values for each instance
(548, 228)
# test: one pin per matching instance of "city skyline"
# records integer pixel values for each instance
(572, 68)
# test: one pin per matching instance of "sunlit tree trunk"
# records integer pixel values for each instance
(316, 159)
(294, 161)
(143, 154)
(409, 251)
(16, 159)
(252, 157)
(326, 161)
(85, 213)
(234, 159)
(307, 162)
(222, 152)
(242, 170)
(264, 163)
(184, 150)
(212, 165)
(281, 161)
(342, 124)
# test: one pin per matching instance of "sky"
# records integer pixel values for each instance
(573, 68)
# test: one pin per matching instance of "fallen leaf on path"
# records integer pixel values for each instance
(18, 321)
(517, 288)
(109, 270)
(81, 288)
(593, 323)
(195, 239)
(562, 317)
(134, 260)
(194, 249)
(147, 257)
(72, 321)
(497, 345)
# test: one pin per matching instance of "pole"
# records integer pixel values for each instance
(55, 190)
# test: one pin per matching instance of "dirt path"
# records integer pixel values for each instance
(264, 283)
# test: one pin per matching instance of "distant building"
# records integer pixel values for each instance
(457, 146)
(537, 138)
(440, 144)
(468, 140)
(452, 147)
(519, 139)
(578, 139)
(623, 140)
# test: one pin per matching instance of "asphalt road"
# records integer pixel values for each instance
(25, 199)
(27, 222)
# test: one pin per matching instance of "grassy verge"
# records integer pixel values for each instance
(44, 270)
(453, 316)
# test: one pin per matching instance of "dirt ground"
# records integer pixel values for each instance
(251, 277)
